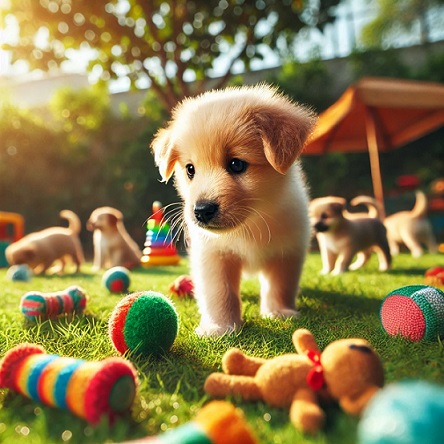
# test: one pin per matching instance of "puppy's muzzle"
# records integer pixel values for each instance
(205, 211)
(320, 227)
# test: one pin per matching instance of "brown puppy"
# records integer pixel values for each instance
(245, 204)
(340, 238)
(113, 246)
(409, 228)
(41, 249)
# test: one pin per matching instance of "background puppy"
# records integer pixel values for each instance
(41, 249)
(245, 204)
(113, 246)
(340, 238)
(409, 228)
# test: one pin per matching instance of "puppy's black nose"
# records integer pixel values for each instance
(320, 227)
(205, 210)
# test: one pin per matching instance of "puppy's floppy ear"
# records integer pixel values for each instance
(284, 127)
(165, 155)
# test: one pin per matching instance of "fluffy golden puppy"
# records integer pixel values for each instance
(40, 250)
(234, 155)
(113, 246)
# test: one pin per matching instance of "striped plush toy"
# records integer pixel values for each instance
(218, 422)
(50, 305)
(89, 389)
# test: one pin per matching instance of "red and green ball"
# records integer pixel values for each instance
(145, 323)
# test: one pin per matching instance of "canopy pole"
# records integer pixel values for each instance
(373, 151)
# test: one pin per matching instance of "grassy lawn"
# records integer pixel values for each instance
(171, 389)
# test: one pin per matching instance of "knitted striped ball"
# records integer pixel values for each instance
(116, 279)
(145, 323)
(414, 312)
(19, 273)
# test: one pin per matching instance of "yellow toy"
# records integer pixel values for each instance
(348, 370)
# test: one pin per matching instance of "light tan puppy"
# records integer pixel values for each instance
(113, 246)
(245, 204)
(340, 239)
(409, 228)
(41, 249)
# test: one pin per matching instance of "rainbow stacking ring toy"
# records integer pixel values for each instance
(89, 389)
(159, 246)
(116, 280)
(414, 312)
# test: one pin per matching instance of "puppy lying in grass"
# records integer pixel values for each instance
(234, 155)
(40, 250)
(341, 237)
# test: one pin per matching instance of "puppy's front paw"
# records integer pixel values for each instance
(282, 313)
(337, 272)
(215, 330)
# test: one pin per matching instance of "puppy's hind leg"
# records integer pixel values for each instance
(413, 245)
(361, 259)
(279, 285)
(343, 262)
(384, 255)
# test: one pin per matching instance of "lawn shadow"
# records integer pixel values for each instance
(66, 276)
(340, 301)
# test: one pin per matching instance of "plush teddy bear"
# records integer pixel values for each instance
(348, 370)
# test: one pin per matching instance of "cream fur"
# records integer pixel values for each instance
(261, 224)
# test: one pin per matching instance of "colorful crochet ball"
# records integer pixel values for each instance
(145, 323)
(406, 412)
(116, 279)
(415, 312)
(19, 273)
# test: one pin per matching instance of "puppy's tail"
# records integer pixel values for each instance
(420, 208)
(74, 222)
(373, 206)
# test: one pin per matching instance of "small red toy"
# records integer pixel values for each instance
(435, 276)
(182, 286)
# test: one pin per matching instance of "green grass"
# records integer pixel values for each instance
(171, 387)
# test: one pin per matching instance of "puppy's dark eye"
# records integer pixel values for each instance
(190, 170)
(237, 166)
(324, 215)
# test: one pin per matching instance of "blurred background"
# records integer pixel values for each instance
(84, 85)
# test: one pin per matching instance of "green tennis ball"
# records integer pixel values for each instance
(145, 323)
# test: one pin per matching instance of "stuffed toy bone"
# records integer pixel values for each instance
(348, 370)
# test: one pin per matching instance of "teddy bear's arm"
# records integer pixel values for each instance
(355, 405)
(305, 412)
(303, 341)
(234, 362)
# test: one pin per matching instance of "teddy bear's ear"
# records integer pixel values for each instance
(303, 341)
(356, 404)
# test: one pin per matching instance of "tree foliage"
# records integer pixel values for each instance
(399, 18)
(173, 46)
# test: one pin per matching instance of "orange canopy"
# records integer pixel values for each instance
(378, 114)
